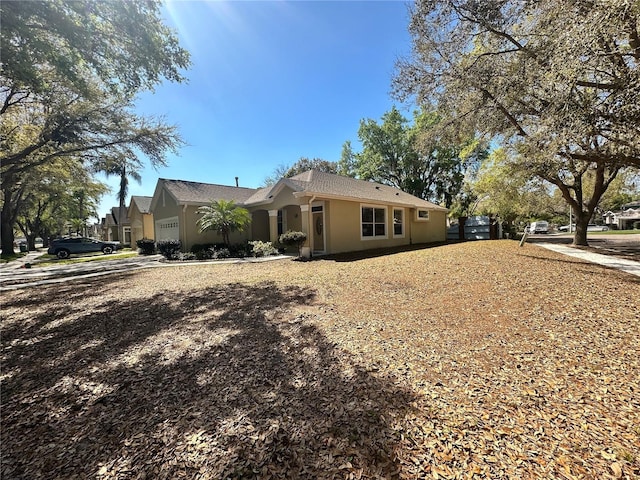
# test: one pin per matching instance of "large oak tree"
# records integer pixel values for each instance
(70, 73)
(557, 81)
(413, 157)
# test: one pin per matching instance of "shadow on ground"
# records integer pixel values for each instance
(228, 382)
(377, 252)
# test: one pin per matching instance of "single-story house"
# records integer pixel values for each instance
(140, 219)
(116, 226)
(338, 214)
(625, 218)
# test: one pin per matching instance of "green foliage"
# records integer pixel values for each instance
(412, 157)
(223, 217)
(299, 167)
(210, 251)
(555, 80)
(201, 247)
(240, 250)
(293, 239)
(124, 44)
(147, 246)
(70, 73)
(262, 249)
(169, 249)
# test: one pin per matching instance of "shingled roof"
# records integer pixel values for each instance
(314, 182)
(197, 193)
(143, 203)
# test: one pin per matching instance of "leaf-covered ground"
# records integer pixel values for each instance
(476, 360)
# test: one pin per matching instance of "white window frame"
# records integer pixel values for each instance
(423, 219)
(401, 234)
(318, 207)
(281, 221)
(386, 222)
(125, 231)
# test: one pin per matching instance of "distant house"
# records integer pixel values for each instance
(625, 218)
(116, 226)
(338, 214)
(140, 218)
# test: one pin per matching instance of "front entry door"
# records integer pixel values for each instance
(317, 212)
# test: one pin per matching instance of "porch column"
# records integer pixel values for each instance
(304, 220)
(273, 226)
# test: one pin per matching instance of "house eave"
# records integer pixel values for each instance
(366, 200)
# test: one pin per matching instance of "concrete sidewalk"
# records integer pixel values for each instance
(628, 266)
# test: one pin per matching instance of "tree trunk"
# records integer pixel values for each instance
(31, 242)
(6, 224)
(7, 234)
(580, 236)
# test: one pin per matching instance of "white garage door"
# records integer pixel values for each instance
(167, 229)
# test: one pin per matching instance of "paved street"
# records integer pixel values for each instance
(13, 275)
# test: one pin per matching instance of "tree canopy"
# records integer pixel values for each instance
(302, 165)
(124, 44)
(412, 157)
(69, 75)
(558, 82)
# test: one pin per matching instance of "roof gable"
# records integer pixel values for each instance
(142, 203)
(198, 193)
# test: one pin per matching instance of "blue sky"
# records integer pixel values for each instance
(271, 82)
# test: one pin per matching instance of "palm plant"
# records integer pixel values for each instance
(223, 217)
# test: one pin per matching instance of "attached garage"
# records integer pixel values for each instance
(167, 229)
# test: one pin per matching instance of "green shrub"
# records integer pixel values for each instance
(636, 225)
(169, 248)
(186, 256)
(146, 246)
(240, 250)
(293, 239)
(262, 249)
(201, 247)
(221, 253)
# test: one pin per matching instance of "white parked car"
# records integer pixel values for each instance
(592, 227)
(539, 227)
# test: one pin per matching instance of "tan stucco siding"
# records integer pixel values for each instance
(193, 235)
(166, 207)
(294, 221)
(282, 199)
(344, 229)
(141, 226)
(433, 230)
(260, 225)
(147, 226)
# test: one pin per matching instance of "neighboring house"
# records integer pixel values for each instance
(94, 230)
(109, 228)
(625, 218)
(116, 226)
(338, 214)
(140, 219)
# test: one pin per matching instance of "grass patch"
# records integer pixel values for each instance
(10, 257)
(49, 260)
(616, 232)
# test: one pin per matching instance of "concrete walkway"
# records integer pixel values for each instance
(628, 266)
